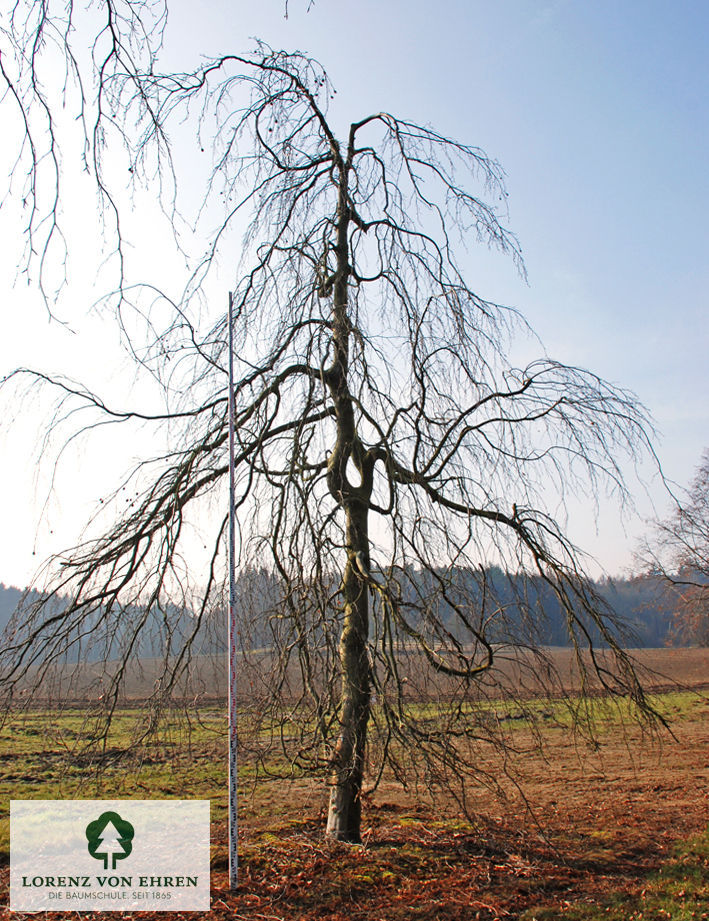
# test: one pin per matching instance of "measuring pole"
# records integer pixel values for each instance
(231, 627)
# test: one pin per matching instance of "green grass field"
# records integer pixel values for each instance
(45, 755)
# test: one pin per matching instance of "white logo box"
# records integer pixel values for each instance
(109, 855)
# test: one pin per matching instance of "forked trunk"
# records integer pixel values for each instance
(344, 817)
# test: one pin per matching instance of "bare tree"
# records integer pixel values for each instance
(679, 550)
(393, 464)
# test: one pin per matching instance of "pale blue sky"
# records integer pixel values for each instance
(599, 114)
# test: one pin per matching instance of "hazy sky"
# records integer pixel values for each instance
(599, 114)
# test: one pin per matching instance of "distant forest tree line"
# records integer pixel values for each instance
(649, 609)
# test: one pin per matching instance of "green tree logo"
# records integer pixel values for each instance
(110, 839)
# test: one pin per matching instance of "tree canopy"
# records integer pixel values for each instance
(678, 549)
(388, 449)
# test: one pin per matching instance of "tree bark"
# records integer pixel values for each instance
(347, 764)
(344, 817)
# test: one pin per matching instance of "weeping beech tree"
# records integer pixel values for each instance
(398, 567)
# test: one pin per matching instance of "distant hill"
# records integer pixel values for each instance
(9, 599)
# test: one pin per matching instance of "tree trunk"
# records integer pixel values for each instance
(347, 765)
(344, 817)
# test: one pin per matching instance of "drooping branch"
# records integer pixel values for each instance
(394, 469)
